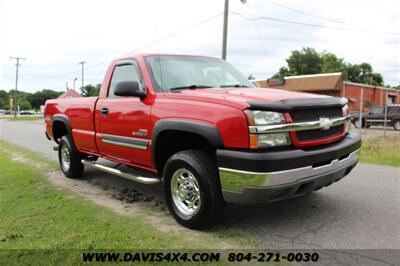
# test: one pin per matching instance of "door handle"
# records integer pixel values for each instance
(104, 111)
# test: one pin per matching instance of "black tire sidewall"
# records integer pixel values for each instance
(209, 188)
(76, 167)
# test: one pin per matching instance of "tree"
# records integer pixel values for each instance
(363, 73)
(3, 99)
(306, 61)
(90, 90)
(40, 97)
(331, 63)
(24, 104)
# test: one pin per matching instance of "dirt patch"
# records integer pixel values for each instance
(128, 201)
(18, 158)
(103, 197)
(22, 159)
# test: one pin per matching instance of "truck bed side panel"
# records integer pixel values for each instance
(80, 112)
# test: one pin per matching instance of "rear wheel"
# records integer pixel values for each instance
(69, 158)
(192, 189)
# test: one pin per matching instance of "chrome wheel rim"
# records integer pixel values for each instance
(397, 125)
(358, 123)
(185, 191)
(65, 158)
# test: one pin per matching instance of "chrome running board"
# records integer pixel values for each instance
(113, 171)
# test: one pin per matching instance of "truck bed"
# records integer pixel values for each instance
(81, 114)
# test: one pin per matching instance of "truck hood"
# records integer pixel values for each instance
(241, 97)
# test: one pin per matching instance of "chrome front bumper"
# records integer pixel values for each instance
(256, 187)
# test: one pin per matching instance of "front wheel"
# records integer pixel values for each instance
(358, 123)
(192, 189)
(69, 158)
(396, 125)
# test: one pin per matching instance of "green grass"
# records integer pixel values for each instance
(39, 220)
(22, 118)
(381, 151)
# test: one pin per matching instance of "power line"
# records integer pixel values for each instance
(304, 13)
(162, 39)
(135, 50)
(311, 24)
(175, 33)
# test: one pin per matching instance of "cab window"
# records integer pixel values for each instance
(376, 110)
(126, 72)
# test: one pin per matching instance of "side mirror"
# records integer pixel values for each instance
(129, 88)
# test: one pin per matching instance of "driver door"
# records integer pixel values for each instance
(124, 121)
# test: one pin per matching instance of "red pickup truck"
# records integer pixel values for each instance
(199, 127)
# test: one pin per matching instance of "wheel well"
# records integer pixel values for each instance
(170, 142)
(59, 130)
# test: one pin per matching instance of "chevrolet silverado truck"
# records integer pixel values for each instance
(198, 127)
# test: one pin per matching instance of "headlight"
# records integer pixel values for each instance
(259, 118)
(346, 112)
(262, 118)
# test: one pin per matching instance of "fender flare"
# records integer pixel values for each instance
(208, 131)
(65, 120)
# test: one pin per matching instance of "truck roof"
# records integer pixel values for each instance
(141, 55)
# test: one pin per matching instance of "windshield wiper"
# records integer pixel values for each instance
(190, 87)
(234, 86)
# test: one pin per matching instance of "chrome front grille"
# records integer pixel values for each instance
(306, 115)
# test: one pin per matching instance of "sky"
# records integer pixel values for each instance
(54, 36)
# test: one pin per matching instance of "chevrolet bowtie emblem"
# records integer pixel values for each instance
(325, 123)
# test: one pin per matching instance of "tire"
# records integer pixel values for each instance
(74, 168)
(396, 125)
(191, 178)
(357, 123)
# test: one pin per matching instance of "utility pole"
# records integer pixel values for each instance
(73, 87)
(16, 82)
(385, 116)
(83, 70)
(225, 28)
(361, 110)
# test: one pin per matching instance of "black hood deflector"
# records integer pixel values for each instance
(296, 104)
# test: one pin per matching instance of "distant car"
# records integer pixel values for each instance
(376, 117)
(2, 112)
(27, 112)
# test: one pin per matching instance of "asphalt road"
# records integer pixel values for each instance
(362, 211)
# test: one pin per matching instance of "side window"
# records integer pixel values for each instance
(394, 110)
(129, 72)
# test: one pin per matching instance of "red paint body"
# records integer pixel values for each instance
(219, 107)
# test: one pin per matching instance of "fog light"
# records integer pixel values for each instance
(347, 125)
(273, 140)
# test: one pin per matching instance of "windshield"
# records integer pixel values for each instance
(172, 72)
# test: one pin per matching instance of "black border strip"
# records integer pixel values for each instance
(125, 141)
